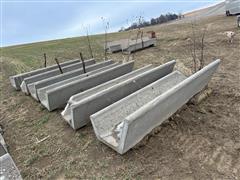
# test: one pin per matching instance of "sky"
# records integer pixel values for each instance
(40, 20)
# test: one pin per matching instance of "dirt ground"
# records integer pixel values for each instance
(200, 142)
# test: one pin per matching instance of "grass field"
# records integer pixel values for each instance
(200, 142)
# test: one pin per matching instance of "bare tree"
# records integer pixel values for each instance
(197, 47)
(89, 44)
(106, 27)
(202, 46)
(139, 32)
(128, 40)
(193, 48)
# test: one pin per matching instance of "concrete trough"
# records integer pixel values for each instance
(33, 87)
(82, 105)
(42, 91)
(50, 98)
(130, 45)
(74, 113)
(124, 123)
(16, 80)
(52, 73)
(114, 48)
(135, 46)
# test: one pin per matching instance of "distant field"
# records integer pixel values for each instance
(200, 142)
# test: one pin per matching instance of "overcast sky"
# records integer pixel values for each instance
(32, 21)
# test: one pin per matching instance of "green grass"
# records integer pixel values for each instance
(31, 55)
(43, 120)
(31, 160)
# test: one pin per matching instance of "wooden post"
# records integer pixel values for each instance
(45, 59)
(60, 69)
(142, 39)
(83, 63)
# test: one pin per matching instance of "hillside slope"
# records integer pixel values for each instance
(199, 142)
(218, 9)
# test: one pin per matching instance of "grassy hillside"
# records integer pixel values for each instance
(200, 142)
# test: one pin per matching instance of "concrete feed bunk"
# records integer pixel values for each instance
(124, 123)
(140, 44)
(52, 73)
(78, 118)
(130, 45)
(16, 80)
(82, 105)
(33, 87)
(41, 93)
(57, 97)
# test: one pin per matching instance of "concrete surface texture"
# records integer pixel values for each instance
(52, 73)
(82, 110)
(50, 99)
(124, 123)
(76, 113)
(8, 170)
(16, 80)
(33, 87)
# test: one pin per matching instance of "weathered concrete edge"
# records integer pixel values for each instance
(3, 143)
(16, 80)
